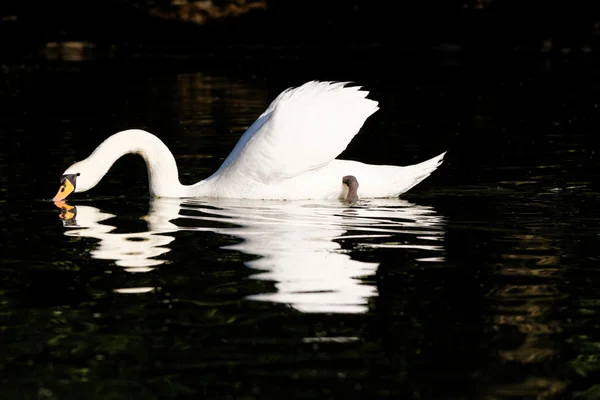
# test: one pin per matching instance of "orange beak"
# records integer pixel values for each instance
(65, 189)
(66, 213)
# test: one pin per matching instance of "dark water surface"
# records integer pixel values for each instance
(482, 282)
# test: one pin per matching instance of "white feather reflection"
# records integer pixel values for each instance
(134, 251)
(297, 244)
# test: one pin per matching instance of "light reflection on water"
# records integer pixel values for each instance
(526, 303)
(297, 243)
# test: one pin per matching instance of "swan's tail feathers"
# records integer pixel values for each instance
(418, 172)
(430, 165)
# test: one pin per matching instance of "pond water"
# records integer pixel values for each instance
(481, 282)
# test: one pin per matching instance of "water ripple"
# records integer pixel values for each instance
(298, 245)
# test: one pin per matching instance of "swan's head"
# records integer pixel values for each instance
(77, 178)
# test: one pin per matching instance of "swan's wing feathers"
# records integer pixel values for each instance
(305, 129)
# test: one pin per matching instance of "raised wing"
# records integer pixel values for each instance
(303, 129)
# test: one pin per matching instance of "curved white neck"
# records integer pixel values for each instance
(162, 169)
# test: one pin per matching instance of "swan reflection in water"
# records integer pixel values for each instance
(297, 243)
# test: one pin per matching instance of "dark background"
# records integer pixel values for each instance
(193, 27)
(511, 90)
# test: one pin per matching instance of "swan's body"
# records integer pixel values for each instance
(287, 153)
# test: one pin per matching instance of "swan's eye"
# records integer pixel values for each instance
(78, 174)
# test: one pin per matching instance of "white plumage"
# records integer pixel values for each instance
(289, 152)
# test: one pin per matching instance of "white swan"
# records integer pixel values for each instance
(287, 153)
